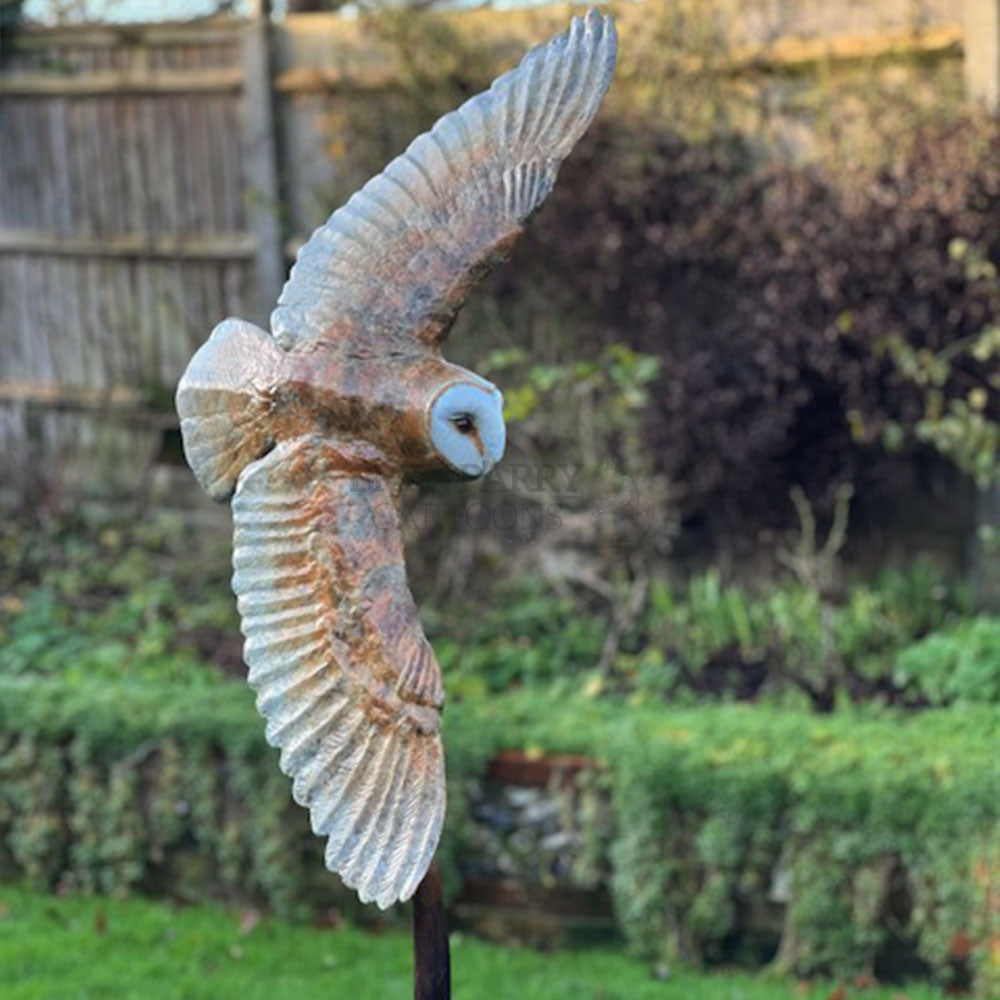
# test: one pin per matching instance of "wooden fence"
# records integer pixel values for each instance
(138, 206)
(140, 201)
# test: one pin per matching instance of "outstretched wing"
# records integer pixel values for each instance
(398, 259)
(344, 676)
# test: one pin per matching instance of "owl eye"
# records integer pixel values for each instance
(463, 423)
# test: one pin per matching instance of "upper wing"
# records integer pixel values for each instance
(398, 259)
(344, 677)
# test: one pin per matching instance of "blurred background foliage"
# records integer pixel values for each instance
(134, 603)
(800, 259)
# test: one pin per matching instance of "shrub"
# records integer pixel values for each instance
(115, 787)
(109, 598)
(707, 640)
(960, 664)
(769, 296)
(129, 603)
(872, 837)
(719, 812)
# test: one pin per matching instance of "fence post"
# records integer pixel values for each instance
(982, 82)
(260, 162)
(982, 51)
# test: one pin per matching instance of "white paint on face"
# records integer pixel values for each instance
(467, 428)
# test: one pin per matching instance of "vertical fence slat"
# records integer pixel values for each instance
(260, 166)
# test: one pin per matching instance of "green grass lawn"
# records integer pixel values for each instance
(82, 948)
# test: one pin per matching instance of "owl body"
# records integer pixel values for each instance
(242, 395)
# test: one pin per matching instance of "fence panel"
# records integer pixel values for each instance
(130, 222)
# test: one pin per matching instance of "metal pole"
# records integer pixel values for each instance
(431, 961)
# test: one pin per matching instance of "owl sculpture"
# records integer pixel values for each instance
(313, 429)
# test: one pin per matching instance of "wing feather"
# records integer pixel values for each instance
(398, 259)
(345, 679)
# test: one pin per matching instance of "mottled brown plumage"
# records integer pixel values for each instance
(313, 430)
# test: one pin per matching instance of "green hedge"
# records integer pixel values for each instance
(115, 786)
(852, 837)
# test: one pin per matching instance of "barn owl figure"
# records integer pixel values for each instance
(313, 429)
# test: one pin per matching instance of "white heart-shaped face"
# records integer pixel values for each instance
(467, 428)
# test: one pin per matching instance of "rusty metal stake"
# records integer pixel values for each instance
(431, 961)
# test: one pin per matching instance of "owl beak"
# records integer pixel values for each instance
(490, 452)
(494, 435)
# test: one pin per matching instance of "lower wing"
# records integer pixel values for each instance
(344, 676)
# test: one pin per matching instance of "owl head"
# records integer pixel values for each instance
(466, 427)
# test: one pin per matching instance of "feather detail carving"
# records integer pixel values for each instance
(348, 684)
(399, 258)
